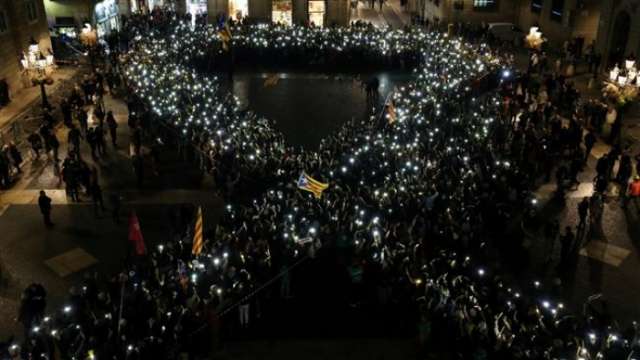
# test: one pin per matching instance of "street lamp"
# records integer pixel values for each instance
(89, 38)
(38, 68)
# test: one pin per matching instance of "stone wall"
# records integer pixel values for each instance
(611, 13)
(80, 10)
(17, 39)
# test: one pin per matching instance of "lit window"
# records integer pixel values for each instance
(485, 4)
(32, 11)
(316, 12)
(282, 12)
(557, 8)
(3, 22)
(536, 6)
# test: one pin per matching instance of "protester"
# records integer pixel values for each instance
(44, 202)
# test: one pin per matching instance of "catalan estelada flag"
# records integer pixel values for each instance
(198, 241)
(307, 183)
(392, 116)
(225, 36)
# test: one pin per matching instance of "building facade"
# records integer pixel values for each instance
(562, 20)
(559, 20)
(22, 23)
(474, 11)
(619, 30)
(68, 13)
(318, 12)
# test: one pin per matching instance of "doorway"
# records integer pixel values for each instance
(282, 12)
(316, 12)
(620, 37)
(238, 9)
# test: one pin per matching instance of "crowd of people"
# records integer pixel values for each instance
(419, 192)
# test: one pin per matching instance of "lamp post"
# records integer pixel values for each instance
(89, 38)
(38, 68)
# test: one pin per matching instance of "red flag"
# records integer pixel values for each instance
(135, 234)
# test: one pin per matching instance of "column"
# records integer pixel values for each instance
(300, 14)
(215, 8)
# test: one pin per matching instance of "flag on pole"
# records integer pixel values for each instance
(135, 234)
(392, 116)
(225, 35)
(307, 183)
(197, 234)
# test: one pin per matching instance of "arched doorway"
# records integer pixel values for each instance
(620, 37)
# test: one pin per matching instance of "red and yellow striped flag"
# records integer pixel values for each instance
(392, 116)
(198, 241)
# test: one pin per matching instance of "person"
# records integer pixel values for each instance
(98, 112)
(73, 138)
(113, 125)
(15, 155)
(616, 127)
(36, 144)
(44, 202)
(93, 143)
(551, 230)
(33, 303)
(116, 203)
(83, 119)
(99, 138)
(566, 243)
(634, 193)
(589, 141)
(70, 178)
(138, 168)
(54, 145)
(5, 179)
(96, 196)
(583, 211)
(624, 172)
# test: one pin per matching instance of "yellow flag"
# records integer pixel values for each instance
(198, 241)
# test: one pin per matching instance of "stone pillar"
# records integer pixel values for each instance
(604, 26)
(634, 34)
(217, 7)
(124, 7)
(337, 12)
(181, 6)
(260, 10)
(300, 12)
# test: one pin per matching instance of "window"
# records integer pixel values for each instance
(557, 8)
(316, 12)
(281, 12)
(485, 4)
(32, 11)
(536, 6)
(4, 26)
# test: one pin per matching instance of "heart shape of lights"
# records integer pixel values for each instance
(376, 175)
(434, 144)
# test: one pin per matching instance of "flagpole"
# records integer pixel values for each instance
(121, 304)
